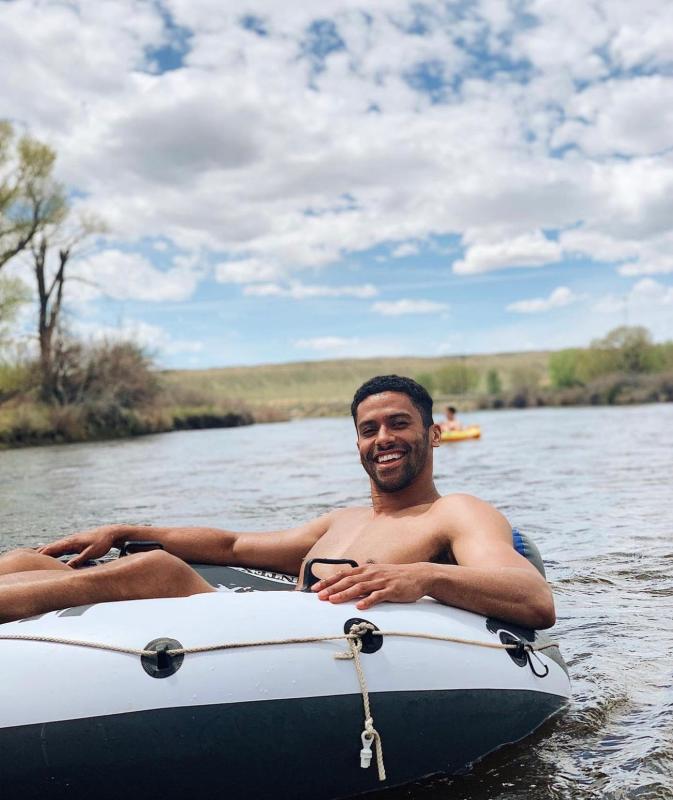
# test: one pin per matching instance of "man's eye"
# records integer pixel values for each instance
(367, 431)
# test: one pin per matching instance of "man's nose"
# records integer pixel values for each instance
(384, 435)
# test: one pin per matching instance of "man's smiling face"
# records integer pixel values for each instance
(392, 441)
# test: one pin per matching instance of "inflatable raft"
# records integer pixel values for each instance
(471, 432)
(103, 701)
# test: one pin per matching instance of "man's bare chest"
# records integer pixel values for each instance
(390, 541)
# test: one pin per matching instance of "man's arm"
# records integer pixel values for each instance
(490, 577)
(276, 550)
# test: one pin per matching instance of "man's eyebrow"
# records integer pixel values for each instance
(399, 415)
(365, 423)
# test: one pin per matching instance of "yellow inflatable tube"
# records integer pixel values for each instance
(471, 432)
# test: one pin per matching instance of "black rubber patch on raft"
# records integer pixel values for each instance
(162, 664)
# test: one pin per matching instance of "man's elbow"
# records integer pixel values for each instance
(544, 612)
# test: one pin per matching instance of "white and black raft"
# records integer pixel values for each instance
(261, 692)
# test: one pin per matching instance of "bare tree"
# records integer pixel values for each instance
(30, 198)
(51, 252)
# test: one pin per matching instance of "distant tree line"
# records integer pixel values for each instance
(625, 366)
(626, 350)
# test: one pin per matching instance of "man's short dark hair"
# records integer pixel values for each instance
(394, 383)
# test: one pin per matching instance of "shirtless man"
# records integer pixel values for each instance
(410, 543)
(451, 423)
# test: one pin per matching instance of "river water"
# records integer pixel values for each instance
(591, 486)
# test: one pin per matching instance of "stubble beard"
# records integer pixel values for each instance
(415, 461)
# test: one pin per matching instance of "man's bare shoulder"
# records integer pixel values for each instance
(459, 502)
(461, 512)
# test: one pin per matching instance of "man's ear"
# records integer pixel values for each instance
(436, 433)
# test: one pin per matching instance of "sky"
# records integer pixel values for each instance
(292, 181)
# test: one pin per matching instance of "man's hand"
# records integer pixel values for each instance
(93, 543)
(374, 583)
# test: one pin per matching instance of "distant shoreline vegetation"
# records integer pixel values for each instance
(106, 391)
(112, 390)
(625, 367)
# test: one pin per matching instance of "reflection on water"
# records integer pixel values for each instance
(592, 486)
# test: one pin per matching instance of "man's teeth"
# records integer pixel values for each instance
(388, 457)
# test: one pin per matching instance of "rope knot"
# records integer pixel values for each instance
(359, 629)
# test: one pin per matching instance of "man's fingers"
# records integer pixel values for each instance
(80, 558)
(324, 583)
(358, 589)
(372, 599)
(60, 547)
(336, 586)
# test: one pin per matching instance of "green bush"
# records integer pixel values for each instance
(493, 382)
(456, 378)
(108, 374)
(17, 378)
(427, 381)
(563, 369)
(631, 348)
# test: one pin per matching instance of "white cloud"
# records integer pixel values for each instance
(649, 264)
(626, 116)
(610, 304)
(154, 338)
(645, 295)
(527, 250)
(129, 276)
(302, 291)
(648, 291)
(395, 308)
(326, 343)
(405, 249)
(249, 150)
(246, 271)
(645, 256)
(334, 346)
(559, 297)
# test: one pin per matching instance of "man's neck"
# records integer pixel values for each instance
(414, 495)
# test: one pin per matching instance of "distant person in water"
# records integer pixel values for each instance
(409, 540)
(451, 423)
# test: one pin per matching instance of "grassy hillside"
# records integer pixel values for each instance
(315, 388)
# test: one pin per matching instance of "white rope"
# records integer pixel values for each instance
(209, 648)
(369, 735)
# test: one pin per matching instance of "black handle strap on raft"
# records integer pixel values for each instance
(522, 653)
(130, 547)
(310, 579)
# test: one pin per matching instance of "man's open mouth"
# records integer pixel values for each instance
(389, 457)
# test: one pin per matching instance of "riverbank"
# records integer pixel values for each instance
(31, 423)
(325, 388)
(509, 380)
(132, 399)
